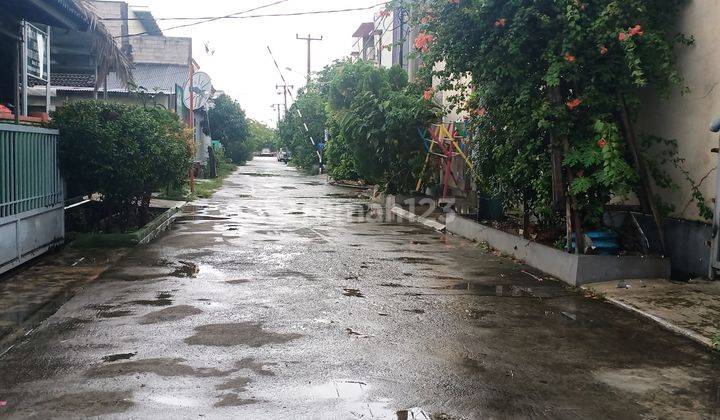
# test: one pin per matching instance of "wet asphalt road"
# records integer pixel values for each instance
(280, 297)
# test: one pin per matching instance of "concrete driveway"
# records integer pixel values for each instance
(282, 297)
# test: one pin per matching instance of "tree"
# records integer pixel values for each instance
(229, 125)
(293, 134)
(122, 152)
(554, 93)
(261, 136)
(372, 116)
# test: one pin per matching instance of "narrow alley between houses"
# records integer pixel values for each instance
(284, 297)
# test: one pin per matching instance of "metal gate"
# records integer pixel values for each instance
(31, 194)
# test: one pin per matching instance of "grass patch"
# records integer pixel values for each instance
(204, 188)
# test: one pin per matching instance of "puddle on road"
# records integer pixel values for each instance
(193, 217)
(186, 269)
(414, 311)
(166, 367)
(257, 174)
(239, 281)
(103, 403)
(161, 299)
(352, 292)
(119, 356)
(418, 260)
(113, 314)
(251, 334)
(173, 313)
(419, 414)
(344, 195)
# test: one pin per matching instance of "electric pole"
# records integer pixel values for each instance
(285, 88)
(277, 107)
(309, 40)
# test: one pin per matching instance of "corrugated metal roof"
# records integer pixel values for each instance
(156, 78)
(364, 30)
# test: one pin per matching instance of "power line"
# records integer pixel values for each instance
(235, 16)
(297, 108)
(208, 19)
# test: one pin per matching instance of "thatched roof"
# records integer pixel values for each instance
(109, 55)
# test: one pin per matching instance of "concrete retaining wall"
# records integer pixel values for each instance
(570, 268)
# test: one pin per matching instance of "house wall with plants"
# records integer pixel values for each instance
(686, 116)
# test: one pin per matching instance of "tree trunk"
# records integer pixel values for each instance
(572, 215)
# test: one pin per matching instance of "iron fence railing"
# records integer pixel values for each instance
(29, 172)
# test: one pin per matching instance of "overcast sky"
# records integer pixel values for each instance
(241, 65)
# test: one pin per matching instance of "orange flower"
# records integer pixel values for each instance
(573, 103)
(500, 22)
(569, 58)
(422, 41)
(622, 36)
(603, 50)
(636, 30)
(602, 143)
(481, 112)
(426, 19)
(428, 94)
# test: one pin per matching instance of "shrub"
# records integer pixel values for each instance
(229, 125)
(372, 116)
(122, 152)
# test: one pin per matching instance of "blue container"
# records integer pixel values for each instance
(605, 243)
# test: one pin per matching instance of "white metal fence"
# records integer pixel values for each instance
(31, 193)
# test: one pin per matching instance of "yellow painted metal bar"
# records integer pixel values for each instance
(427, 159)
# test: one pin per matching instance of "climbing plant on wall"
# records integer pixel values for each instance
(555, 91)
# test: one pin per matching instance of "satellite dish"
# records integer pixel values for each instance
(202, 89)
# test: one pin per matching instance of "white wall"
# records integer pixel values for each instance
(687, 117)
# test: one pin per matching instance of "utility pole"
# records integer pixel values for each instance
(285, 88)
(309, 40)
(277, 107)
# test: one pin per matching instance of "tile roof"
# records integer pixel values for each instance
(67, 79)
(158, 78)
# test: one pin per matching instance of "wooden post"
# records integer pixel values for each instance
(642, 170)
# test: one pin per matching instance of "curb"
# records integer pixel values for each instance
(412, 217)
(139, 237)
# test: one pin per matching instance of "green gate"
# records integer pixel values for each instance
(31, 193)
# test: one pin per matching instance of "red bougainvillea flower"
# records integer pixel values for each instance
(603, 50)
(426, 19)
(454, 1)
(636, 30)
(622, 36)
(573, 103)
(384, 13)
(570, 58)
(428, 94)
(422, 41)
(602, 143)
(481, 112)
(500, 22)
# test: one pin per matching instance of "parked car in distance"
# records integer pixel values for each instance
(267, 152)
(283, 155)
